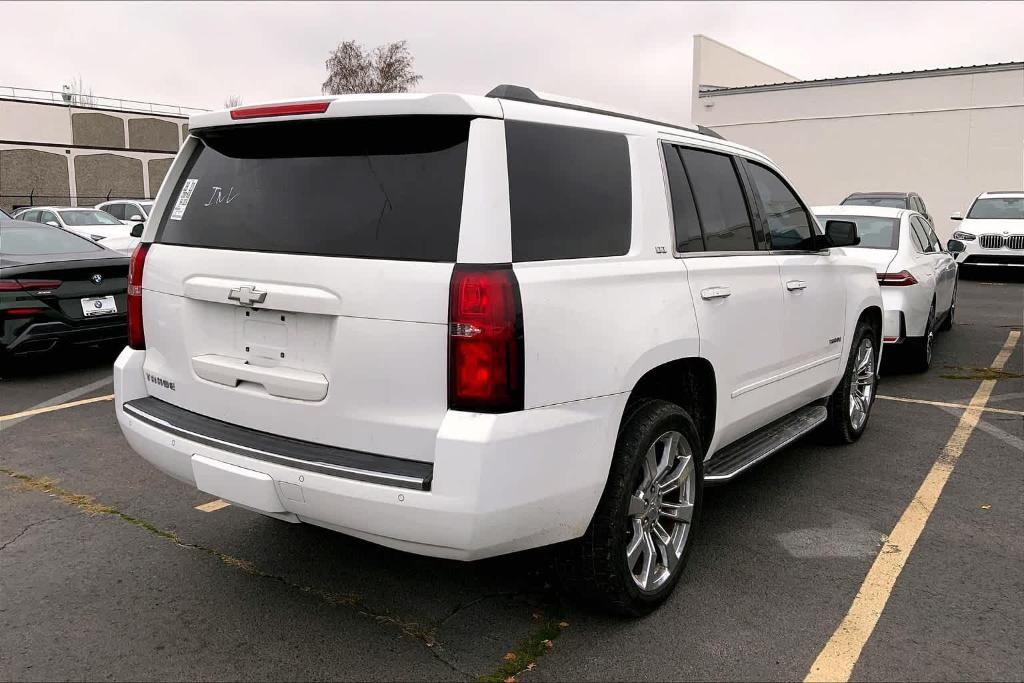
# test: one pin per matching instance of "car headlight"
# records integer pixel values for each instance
(963, 236)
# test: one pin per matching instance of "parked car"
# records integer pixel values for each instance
(91, 223)
(58, 288)
(895, 200)
(480, 330)
(992, 233)
(128, 211)
(917, 275)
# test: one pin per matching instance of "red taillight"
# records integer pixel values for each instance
(136, 334)
(22, 285)
(23, 311)
(485, 340)
(280, 110)
(900, 279)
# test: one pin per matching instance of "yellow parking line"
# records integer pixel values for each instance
(213, 505)
(942, 404)
(836, 660)
(60, 406)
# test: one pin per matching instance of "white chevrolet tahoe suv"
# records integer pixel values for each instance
(463, 326)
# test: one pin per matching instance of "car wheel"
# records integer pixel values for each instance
(633, 553)
(919, 349)
(850, 404)
(947, 322)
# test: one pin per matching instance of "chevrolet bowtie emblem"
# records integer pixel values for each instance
(247, 296)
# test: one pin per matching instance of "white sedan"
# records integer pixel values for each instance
(917, 275)
(992, 233)
(91, 223)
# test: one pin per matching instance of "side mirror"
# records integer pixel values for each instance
(956, 217)
(136, 217)
(137, 229)
(955, 246)
(53, 223)
(841, 233)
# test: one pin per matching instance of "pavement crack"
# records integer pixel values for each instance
(89, 505)
(25, 530)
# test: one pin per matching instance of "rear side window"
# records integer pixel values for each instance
(684, 210)
(569, 192)
(919, 234)
(720, 201)
(789, 224)
(16, 240)
(388, 188)
(115, 210)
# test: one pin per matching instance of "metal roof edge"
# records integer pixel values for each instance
(869, 78)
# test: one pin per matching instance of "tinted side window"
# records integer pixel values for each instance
(45, 216)
(115, 210)
(720, 201)
(569, 192)
(133, 210)
(933, 239)
(32, 216)
(789, 225)
(684, 209)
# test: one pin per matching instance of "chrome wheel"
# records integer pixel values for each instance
(862, 384)
(661, 511)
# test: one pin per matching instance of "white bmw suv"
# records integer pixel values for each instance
(463, 326)
(992, 232)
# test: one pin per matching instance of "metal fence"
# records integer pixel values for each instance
(73, 99)
(13, 202)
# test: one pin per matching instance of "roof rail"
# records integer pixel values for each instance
(521, 93)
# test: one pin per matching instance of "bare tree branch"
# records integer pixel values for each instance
(350, 69)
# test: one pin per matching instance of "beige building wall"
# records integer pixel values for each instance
(51, 154)
(947, 135)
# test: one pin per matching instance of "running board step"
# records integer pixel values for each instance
(755, 447)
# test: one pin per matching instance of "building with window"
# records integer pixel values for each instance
(947, 134)
(65, 149)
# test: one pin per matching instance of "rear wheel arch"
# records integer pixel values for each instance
(873, 316)
(687, 382)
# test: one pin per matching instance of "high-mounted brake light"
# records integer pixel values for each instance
(901, 279)
(291, 109)
(136, 334)
(485, 340)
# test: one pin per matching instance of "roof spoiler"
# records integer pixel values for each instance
(521, 93)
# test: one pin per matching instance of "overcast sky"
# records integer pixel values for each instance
(635, 56)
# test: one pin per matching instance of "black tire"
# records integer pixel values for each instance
(839, 426)
(594, 568)
(947, 322)
(917, 351)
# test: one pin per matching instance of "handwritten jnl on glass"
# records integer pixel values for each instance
(218, 196)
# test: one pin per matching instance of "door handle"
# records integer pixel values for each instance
(715, 293)
(796, 285)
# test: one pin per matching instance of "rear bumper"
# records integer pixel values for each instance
(498, 483)
(44, 336)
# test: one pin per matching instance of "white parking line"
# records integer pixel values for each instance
(836, 660)
(943, 404)
(213, 505)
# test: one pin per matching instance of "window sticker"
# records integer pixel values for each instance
(183, 197)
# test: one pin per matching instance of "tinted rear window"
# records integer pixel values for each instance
(569, 192)
(875, 232)
(387, 188)
(720, 201)
(891, 202)
(42, 240)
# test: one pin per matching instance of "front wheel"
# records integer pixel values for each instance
(633, 553)
(850, 404)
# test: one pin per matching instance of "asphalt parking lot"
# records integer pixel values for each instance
(108, 569)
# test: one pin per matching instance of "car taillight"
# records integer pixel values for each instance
(288, 109)
(23, 285)
(136, 334)
(900, 279)
(485, 340)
